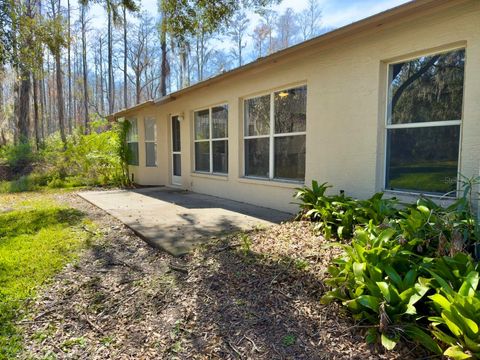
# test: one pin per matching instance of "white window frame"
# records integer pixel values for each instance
(271, 136)
(154, 141)
(129, 141)
(389, 126)
(209, 140)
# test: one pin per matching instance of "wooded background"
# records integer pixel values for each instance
(58, 70)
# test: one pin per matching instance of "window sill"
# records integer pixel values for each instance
(214, 176)
(409, 197)
(272, 182)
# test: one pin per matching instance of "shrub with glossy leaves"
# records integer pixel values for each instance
(338, 215)
(409, 271)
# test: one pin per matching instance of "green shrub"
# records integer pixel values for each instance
(407, 271)
(337, 215)
(56, 183)
(458, 322)
(377, 209)
(93, 159)
(437, 231)
(386, 283)
(377, 280)
(17, 156)
(429, 227)
(24, 183)
(449, 271)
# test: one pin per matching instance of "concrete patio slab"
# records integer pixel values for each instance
(175, 220)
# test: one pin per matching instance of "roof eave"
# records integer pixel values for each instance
(124, 112)
(375, 20)
(350, 29)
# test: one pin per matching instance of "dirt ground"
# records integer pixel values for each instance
(245, 296)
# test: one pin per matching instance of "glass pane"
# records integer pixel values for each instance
(132, 153)
(150, 129)
(423, 159)
(150, 154)
(429, 88)
(202, 156)
(290, 157)
(291, 110)
(257, 157)
(220, 156)
(132, 134)
(219, 122)
(176, 134)
(177, 165)
(202, 130)
(257, 116)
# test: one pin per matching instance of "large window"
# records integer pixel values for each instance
(211, 140)
(132, 142)
(423, 123)
(150, 142)
(274, 134)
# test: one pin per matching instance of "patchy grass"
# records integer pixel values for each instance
(36, 182)
(37, 238)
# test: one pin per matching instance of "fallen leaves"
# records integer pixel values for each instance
(229, 299)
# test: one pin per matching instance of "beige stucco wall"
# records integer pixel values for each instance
(346, 82)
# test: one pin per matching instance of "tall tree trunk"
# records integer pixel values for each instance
(3, 119)
(102, 91)
(16, 100)
(61, 116)
(57, 50)
(43, 102)
(138, 90)
(202, 54)
(185, 78)
(111, 95)
(36, 122)
(24, 106)
(16, 72)
(125, 85)
(25, 85)
(270, 41)
(2, 108)
(50, 99)
(40, 83)
(163, 47)
(200, 49)
(69, 64)
(239, 51)
(75, 77)
(85, 70)
(95, 88)
(197, 45)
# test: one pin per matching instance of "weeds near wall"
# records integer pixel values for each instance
(95, 159)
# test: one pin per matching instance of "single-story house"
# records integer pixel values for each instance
(389, 103)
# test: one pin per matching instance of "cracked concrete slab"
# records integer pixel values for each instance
(176, 220)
